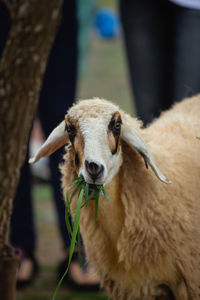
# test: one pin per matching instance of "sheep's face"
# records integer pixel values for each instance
(96, 146)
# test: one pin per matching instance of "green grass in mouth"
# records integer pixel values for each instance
(81, 188)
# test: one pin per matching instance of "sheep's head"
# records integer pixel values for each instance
(94, 128)
(94, 132)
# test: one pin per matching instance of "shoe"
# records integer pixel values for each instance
(78, 278)
(28, 269)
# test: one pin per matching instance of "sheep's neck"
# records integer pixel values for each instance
(102, 242)
(111, 213)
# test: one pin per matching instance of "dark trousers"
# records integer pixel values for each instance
(57, 95)
(163, 48)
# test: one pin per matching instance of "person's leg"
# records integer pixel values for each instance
(22, 227)
(146, 26)
(185, 58)
(22, 233)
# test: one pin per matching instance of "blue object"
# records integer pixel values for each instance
(107, 23)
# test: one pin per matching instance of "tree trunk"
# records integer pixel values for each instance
(21, 71)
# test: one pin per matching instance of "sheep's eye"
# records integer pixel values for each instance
(115, 126)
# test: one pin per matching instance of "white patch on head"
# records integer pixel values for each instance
(97, 150)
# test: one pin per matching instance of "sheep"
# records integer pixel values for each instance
(146, 243)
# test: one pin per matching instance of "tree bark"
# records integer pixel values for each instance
(21, 71)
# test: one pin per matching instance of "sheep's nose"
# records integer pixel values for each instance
(93, 169)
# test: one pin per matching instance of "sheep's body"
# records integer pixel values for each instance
(148, 234)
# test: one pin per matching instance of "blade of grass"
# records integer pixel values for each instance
(59, 283)
(73, 184)
(76, 180)
(75, 191)
(102, 190)
(91, 196)
(105, 194)
(76, 225)
(79, 247)
(73, 240)
(67, 222)
(68, 201)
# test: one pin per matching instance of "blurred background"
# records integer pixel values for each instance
(162, 41)
(102, 73)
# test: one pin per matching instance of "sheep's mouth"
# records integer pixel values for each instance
(91, 188)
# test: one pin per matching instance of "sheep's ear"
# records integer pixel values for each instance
(130, 136)
(55, 140)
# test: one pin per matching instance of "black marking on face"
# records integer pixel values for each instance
(117, 143)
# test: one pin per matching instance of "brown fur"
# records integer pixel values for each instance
(114, 142)
(77, 144)
(148, 234)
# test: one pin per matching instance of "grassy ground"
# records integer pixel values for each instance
(105, 77)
